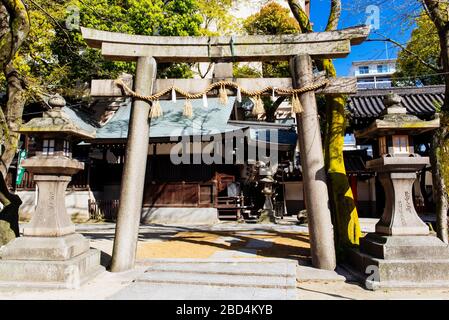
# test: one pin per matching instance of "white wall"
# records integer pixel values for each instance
(76, 204)
(373, 68)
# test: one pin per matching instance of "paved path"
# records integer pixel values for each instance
(221, 257)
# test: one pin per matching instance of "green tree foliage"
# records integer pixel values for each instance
(245, 71)
(217, 17)
(424, 43)
(56, 59)
(272, 19)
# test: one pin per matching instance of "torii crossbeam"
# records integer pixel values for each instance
(298, 49)
(124, 47)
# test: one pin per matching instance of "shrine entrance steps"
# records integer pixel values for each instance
(205, 279)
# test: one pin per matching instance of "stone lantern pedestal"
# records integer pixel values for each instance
(397, 175)
(402, 252)
(50, 253)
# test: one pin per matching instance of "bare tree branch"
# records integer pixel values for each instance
(404, 48)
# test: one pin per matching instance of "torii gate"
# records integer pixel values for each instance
(298, 49)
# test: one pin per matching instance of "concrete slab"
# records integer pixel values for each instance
(141, 291)
(262, 268)
(310, 274)
(241, 253)
(217, 279)
(149, 262)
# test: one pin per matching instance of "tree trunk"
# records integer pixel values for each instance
(344, 210)
(14, 28)
(440, 148)
(13, 116)
(444, 45)
(440, 191)
(10, 212)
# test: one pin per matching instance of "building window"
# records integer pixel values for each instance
(364, 70)
(66, 148)
(382, 146)
(400, 144)
(48, 147)
(382, 68)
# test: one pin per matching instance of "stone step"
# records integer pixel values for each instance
(148, 291)
(225, 280)
(254, 261)
(184, 279)
(217, 268)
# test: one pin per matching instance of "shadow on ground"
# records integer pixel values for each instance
(262, 242)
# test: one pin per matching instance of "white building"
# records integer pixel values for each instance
(374, 74)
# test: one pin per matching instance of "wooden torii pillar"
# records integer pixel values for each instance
(298, 49)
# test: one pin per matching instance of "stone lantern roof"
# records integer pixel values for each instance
(395, 119)
(55, 121)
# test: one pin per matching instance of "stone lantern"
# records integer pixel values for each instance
(267, 214)
(401, 253)
(50, 253)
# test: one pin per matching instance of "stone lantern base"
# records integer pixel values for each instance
(401, 253)
(388, 262)
(49, 262)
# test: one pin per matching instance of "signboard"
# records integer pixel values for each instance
(20, 170)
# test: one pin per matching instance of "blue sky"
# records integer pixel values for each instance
(393, 23)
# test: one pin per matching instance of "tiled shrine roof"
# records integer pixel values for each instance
(419, 101)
